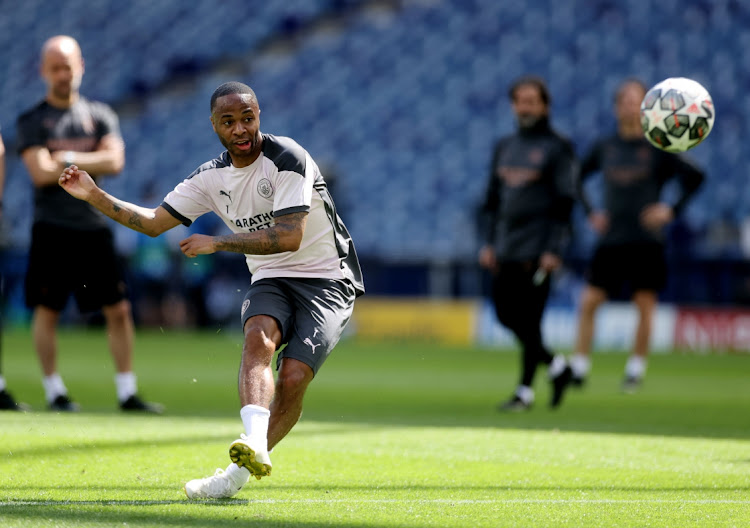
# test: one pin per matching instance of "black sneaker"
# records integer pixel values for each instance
(577, 381)
(631, 384)
(7, 403)
(515, 404)
(63, 404)
(135, 404)
(559, 384)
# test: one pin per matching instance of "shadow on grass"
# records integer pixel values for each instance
(256, 512)
(111, 514)
(116, 502)
(178, 440)
(640, 415)
(629, 421)
(383, 493)
(88, 445)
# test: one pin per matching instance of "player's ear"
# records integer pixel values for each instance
(212, 122)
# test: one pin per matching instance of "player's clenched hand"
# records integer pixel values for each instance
(77, 182)
(195, 245)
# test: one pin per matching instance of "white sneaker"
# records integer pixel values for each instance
(257, 462)
(219, 486)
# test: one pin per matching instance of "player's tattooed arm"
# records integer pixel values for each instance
(284, 235)
(151, 222)
(134, 220)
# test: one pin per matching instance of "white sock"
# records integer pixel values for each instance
(255, 418)
(126, 385)
(580, 364)
(525, 393)
(2, 383)
(557, 366)
(635, 367)
(238, 475)
(53, 387)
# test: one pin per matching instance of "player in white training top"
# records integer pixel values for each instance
(305, 272)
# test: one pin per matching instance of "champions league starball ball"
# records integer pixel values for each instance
(677, 114)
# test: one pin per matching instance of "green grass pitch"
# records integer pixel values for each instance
(393, 435)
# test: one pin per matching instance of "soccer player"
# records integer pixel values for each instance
(629, 258)
(525, 224)
(305, 272)
(7, 402)
(63, 129)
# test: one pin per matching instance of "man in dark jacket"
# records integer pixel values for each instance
(525, 222)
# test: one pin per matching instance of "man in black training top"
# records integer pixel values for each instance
(525, 223)
(72, 250)
(629, 258)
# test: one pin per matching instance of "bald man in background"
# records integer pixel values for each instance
(72, 249)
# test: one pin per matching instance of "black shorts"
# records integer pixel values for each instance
(63, 261)
(311, 314)
(624, 269)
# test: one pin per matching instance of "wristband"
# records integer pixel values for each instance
(68, 158)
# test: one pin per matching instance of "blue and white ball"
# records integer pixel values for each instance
(677, 114)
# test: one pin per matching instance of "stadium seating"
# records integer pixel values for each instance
(404, 100)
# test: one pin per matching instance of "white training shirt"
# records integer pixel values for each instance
(283, 180)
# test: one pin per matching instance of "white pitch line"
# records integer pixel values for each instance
(369, 501)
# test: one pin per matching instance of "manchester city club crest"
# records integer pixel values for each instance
(265, 189)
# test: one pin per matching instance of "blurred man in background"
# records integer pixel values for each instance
(7, 402)
(629, 258)
(72, 250)
(525, 223)
(305, 272)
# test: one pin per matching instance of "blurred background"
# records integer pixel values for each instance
(400, 102)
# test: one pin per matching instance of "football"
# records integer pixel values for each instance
(677, 114)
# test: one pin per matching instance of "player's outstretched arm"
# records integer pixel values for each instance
(285, 235)
(107, 159)
(151, 222)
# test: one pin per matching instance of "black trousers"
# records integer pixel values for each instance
(519, 305)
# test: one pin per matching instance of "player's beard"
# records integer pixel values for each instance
(255, 141)
(528, 121)
(232, 148)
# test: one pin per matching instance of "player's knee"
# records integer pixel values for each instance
(294, 376)
(645, 301)
(588, 306)
(47, 317)
(118, 312)
(262, 331)
(257, 338)
(591, 300)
